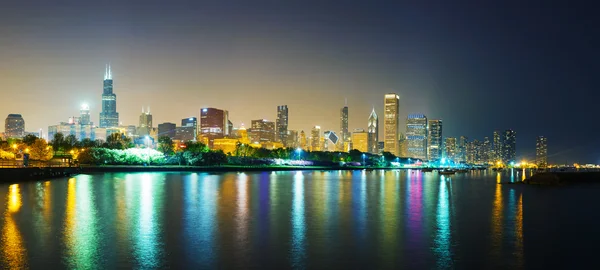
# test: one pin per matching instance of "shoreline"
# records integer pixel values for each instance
(225, 168)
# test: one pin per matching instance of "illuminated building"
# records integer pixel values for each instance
(315, 139)
(228, 145)
(84, 115)
(450, 148)
(145, 123)
(262, 131)
(167, 129)
(373, 129)
(435, 139)
(243, 135)
(403, 146)
(188, 129)
(282, 124)
(344, 124)
(303, 142)
(360, 140)
(416, 136)
(461, 147)
(292, 139)
(109, 117)
(486, 151)
(331, 141)
(497, 147)
(541, 152)
(380, 146)
(14, 126)
(473, 152)
(509, 146)
(391, 123)
(213, 124)
(80, 132)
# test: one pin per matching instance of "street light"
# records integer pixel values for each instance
(298, 151)
(363, 157)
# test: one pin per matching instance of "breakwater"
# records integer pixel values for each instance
(33, 174)
(562, 178)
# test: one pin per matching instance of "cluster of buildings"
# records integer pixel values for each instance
(422, 137)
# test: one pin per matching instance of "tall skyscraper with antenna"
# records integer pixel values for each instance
(344, 123)
(109, 117)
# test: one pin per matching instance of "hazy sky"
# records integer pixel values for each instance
(524, 65)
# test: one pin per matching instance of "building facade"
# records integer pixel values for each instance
(461, 147)
(292, 139)
(416, 136)
(315, 139)
(344, 132)
(331, 141)
(541, 152)
(282, 124)
(262, 131)
(509, 146)
(109, 117)
(84, 115)
(80, 132)
(497, 146)
(450, 148)
(145, 123)
(303, 142)
(360, 140)
(434, 143)
(391, 123)
(167, 129)
(213, 124)
(373, 130)
(14, 126)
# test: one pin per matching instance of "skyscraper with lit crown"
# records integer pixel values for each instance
(434, 139)
(282, 124)
(541, 152)
(416, 136)
(373, 129)
(344, 132)
(109, 117)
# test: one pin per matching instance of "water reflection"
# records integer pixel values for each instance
(13, 250)
(443, 235)
(298, 223)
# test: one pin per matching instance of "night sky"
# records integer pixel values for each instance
(524, 65)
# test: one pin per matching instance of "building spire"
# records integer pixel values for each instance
(107, 72)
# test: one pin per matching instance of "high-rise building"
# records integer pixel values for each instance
(487, 154)
(109, 117)
(79, 131)
(14, 126)
(303, 142)
(262, 131)
(282, 124)
(292, 139)
(145, 123)
(435, 139)
(509, 146)
(315, 139)
(403, 145)
(84, 115)
(473, 152)
(461, 147)
(450, 148)
(213, 124)
(188, 129)
(391, 123)
(344, 124)
(331, 141)
(541, 152)
(416, 136)
(360, 140)
(497, 147)
(373, 129)
(167, 129)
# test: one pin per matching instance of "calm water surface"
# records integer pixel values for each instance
(333, 219)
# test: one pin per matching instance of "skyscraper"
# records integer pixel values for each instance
(487, 154)
(461, 149)
(14, 126)
(435, 139)
(416, 136)
(315, 139)
(497, 152)
(213, 124)
(109, 117)
(282, 124)
(450, 148)
(145, 123)
(509, 146)
(84, 115)
(390, 123)
(167, 129)
(262, 131)
(360, 140)
(373, 129)
(303, 142)
(331, 141)
(541, 152)
(344, 124)
(188, 129)
(292, 139)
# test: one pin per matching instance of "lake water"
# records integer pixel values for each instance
(332, 219)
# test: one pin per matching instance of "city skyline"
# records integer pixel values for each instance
(443, 66)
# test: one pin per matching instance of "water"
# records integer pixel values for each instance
(335, 219)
